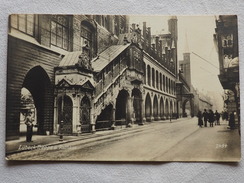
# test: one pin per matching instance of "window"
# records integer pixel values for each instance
(59, 31)
(88, 38)
(160, 78)
(163, 83)
(153, 77)
(23, 23)
(157, 79)
(148, 75)
(227, 40)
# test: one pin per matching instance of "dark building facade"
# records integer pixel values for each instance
(226, 41)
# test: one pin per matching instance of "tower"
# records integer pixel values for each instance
(173, 29)
(185, 64)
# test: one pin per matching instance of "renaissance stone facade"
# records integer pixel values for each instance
(91, 72)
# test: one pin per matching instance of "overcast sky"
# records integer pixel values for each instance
(198, 32)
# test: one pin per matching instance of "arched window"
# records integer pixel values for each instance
(88, 38)
(153, 77)
(160, 82)
(85, 107)
(157, 79)
(164, 83)
(166, 87)
(149, 75)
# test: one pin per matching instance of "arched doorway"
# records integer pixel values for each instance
(155, 107)
(122, 112)
(38, 84)
(137, 100)
(186, 108)
(166, 109)
(104, 120)
(65, 113)
(148, 107)
(161, 108)
(85, 110)
(171, 109)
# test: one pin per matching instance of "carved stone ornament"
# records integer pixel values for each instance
(84, 61)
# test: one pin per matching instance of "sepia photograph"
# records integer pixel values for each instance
(130, 88)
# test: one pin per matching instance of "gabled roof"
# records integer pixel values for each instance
(107, 56)
(85, 83)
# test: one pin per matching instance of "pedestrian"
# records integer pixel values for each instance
(200, 122)
(211, 117)
(205, 117)
(29, 125)
(232, 121)
(217, 117)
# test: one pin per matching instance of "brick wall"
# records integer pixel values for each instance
(22, 57)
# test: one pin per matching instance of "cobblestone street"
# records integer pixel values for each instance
(181, 140)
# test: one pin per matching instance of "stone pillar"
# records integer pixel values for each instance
(113, 118)
(129, 112)
(75, 121)
(92, 117)
(143, 118)
(152, 117)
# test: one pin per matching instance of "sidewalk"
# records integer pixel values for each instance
(15, 146)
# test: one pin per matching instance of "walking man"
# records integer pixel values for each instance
(29, 124)
(200, 122)
(211, 117)
(205, 117)
(217, 117)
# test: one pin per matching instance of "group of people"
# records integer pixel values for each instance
(208, 116)
(211, 117)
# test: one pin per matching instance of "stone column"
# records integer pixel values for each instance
(143, 118)
(92, 117)
(75, 121)
(152, 108)
(129, 112)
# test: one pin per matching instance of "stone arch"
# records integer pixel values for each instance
(161, 108)
(122, 110)
(166, 108)
(187, 108)
(39, 85)
(148, 107)
(85, 114)
(137, 105)
(65, 113)
(155, 107)
(171, 108)
(104, 119)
